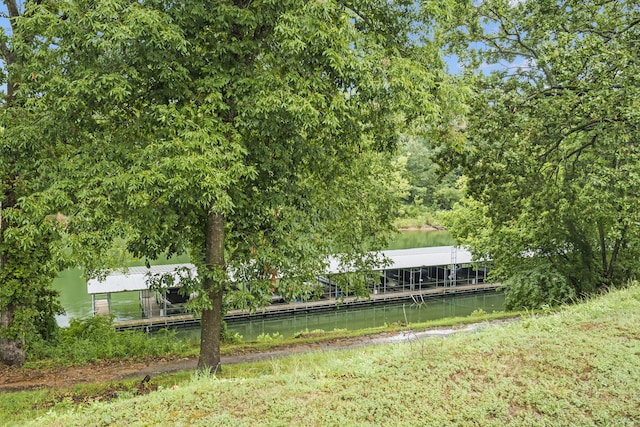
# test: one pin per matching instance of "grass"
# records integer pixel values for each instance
(17, 408)
(578, 366)
(94, 339)
(76, 348)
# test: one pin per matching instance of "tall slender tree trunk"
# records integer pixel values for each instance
(614, 254)
(12, 350)
(603, 247)
(211, 322)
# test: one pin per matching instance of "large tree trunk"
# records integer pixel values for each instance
(12, 351)
(211, 322)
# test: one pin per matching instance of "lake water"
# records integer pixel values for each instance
(371, 316)
(75, 300)
(77, 303)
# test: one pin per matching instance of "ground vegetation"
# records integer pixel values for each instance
(577, 366)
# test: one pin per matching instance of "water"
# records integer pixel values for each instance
(372, 316)
(125, 305)
(72, 287)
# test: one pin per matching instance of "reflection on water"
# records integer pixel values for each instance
(125, 305)
(77, 302)
(73, 295)
(367, 317)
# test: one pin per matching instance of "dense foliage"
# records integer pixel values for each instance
(95, 339)
(261, 136)
(255, 135)
(32, 233)
(430, 186)
(552, 156)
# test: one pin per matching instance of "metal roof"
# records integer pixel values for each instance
(417, 257)
(134, 279)
(429, 257)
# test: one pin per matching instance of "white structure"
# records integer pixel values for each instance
(407, 269)
(131, 279)
(417, 257)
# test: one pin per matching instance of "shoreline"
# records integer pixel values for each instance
(425, 227)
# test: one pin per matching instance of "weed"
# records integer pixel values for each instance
(478, 312)
(95, 338)
(267, 338)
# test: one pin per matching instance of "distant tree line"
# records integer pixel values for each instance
(430, 186)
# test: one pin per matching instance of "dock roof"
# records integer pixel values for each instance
(131, 279)
(134, 278)
(417, 257)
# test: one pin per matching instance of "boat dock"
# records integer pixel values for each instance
(403, 275)
(156, 321)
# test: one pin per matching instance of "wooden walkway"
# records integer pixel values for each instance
(278, 310)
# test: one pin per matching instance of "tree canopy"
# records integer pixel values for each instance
(551, 157)
(429, 185)
(255, 135)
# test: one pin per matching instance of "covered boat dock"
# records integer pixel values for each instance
(152, 304)
(407, 274)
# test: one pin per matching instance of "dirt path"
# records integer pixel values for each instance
(12, 379)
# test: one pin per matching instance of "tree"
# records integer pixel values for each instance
(552, 156)
(31, 230)
(429, 186)
(256, 135)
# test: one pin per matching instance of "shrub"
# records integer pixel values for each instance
(95, 338)
(538, 286)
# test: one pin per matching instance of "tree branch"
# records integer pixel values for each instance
(514, 37)
(9, 57)
(12, 7)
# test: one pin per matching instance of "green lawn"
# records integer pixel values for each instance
(579, 366)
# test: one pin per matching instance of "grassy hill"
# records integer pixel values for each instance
(578, 366)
